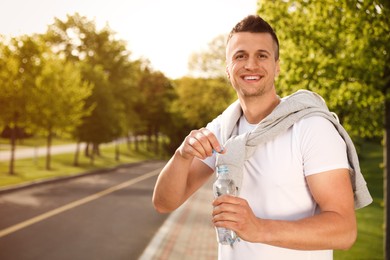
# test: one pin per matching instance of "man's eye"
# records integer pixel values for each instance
(263, 56)
(240, 57)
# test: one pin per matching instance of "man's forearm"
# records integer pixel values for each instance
(169, 192)
(184, 174)
(328, 230)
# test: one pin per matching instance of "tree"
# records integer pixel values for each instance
(209, 63)
(155, 94)
(12, 98)
(20, 63)
(341, 50)
(100, 126)
(58, 100)
(197, 102)
(106, 66)
(201, 100)
(202, 97)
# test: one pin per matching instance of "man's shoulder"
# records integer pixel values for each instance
(314, 121)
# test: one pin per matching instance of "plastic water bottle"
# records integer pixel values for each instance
(224, 185)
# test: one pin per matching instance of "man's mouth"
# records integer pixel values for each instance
(251, 78)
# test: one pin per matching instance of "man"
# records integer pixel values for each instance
(296, 199)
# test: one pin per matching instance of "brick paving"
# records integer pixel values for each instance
(187, 233)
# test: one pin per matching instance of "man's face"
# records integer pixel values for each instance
(251, 65)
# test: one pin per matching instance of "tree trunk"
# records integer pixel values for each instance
(13, 147)
(117, 153)
(136, 144)
(76, 155)
(92, 155)
(386, 180)
(386, 160)
(156, 143)
(86, 151)
(96, 149)
(48, 155)
(128, 141)
(149, 140)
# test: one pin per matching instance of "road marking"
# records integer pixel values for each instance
(76, 203)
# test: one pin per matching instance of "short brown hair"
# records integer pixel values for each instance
(255, 24)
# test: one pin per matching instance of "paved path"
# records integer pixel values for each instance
(187, 233)
(39, 151)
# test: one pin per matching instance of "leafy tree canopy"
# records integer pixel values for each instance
(338, 49)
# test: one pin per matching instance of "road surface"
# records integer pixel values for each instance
(99, 216)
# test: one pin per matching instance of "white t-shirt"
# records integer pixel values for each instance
(274, 181)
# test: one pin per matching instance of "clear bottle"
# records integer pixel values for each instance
(224, 185)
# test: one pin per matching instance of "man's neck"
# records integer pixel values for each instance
(257, 108)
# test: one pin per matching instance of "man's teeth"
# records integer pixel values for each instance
(251, 77)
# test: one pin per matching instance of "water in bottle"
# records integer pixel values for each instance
(224, 185)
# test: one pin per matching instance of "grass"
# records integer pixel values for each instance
(27, 170)
(369, 244)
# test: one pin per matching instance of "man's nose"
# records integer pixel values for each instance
(252, 63)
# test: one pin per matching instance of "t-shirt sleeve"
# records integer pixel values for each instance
(321, 145)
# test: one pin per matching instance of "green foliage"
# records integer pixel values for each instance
(107, 67)
(39, 75)
(201, 100)
(155, 93)
(100, 125)
(338, 49)
(58, 98)
(210, 63)
(12, 97)
(20, 63)
(196, 101)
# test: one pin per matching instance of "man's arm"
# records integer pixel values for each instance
(333, 228)
(184, 174)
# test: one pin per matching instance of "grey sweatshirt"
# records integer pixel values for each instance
(302, 103)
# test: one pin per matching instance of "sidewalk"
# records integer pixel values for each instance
(39, 151)
(187, 233)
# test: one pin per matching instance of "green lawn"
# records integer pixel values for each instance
(369, 245)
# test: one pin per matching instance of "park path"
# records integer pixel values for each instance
(35, 152)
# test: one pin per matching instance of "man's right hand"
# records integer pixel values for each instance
(200, 143)
(182, 175)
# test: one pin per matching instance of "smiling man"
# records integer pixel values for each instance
(295, 166)
(253, 65)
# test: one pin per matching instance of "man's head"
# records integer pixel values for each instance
(252, 58)
(255, 24)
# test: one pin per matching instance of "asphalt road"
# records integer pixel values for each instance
(106, 216)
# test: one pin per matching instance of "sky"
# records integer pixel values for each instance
(165, 32)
